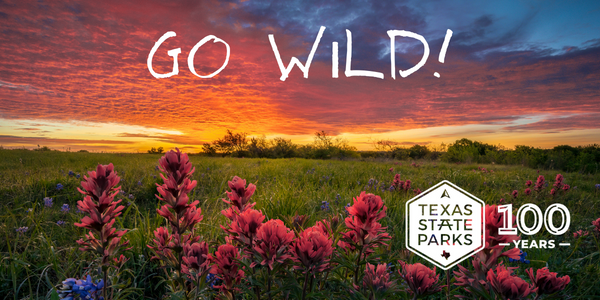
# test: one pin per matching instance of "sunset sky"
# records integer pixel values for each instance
(74, 74)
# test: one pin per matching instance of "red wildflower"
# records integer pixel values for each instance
(566, 187)
(119, 262)
(195, 259)
(181, 214)
(366, 209)
(547, 282)
(364, 231)
(325, 227)
(507, 285)
(552, 192)
(597, 224)
(407, 185)
(166, 243)
(558, 181)
(175, 248)
(527, 191)
(417, 191)
(177, 164)
(99, 190)
(515, 193)
(539, 184)
(486, 259)
(272, 239)
(377, 279)
(580, 233)
(244, 228)
(240, 194)
(311, 250)
(528, 183)
(102, 181)
(421, 280)
(391, 170)
(227, 268)
(397, 183)
(494, 221)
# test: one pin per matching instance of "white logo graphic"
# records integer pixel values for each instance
(444, 225)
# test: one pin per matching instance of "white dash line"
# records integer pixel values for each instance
(504, 244)
(564, 244)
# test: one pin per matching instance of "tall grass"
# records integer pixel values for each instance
(32, 263)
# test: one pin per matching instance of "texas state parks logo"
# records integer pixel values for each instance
(444, 225)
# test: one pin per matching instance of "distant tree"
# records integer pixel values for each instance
(44, 148)
(209, 149)
(283, 148)
(231, 142)
(385, 145)
(156, 151)
(418, 151)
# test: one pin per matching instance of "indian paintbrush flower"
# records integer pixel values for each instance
(507, 285)
(546, 282)
(99, 190)
(421, 280)
(227, 268)
(597, 224)
(312, 250)
(540, 182)
(272, 241)
(377, 278)
(245, 227)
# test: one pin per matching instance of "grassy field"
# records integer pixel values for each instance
(46, 253)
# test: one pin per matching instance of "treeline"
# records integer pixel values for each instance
(324, 146)
(584, 159)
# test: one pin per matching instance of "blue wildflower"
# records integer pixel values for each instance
(131, 196)
(71, 173)
(77, 176)
(85, 289)
(59, 186)
(139, 182)
(65, 208)
(346, 207)
(29, 210)
(22, 229)
(598, 186)
(60, 223)
(521, 260)
(48, 202)
(325, 205)
(391, 189)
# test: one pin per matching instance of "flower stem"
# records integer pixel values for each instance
(269, 282)
(305, 284)
(448, 284)
(357, 266)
